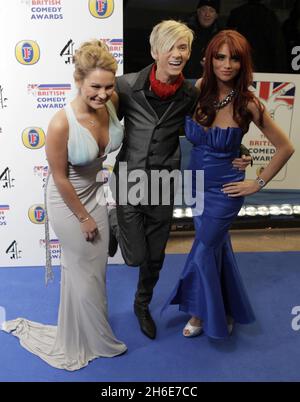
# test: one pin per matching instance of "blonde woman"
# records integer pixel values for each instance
(78, 140)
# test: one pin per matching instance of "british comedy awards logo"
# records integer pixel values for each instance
(3, 214)
(54, 247)
(27, 52)
(279, 99)
(115, 47)
(45, 9)
(49, 96)
(36, 214)
(33, 137)
(101, 8)
(42, 173)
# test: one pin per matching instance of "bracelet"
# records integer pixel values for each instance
(82, 220)
(260, 182)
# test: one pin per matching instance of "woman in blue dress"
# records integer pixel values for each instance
(210, 287)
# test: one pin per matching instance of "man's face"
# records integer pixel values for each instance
(206, 16)
(170, 64)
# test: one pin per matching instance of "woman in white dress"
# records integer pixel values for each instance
(79, 138)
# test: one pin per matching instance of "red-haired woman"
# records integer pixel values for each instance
(210, 288)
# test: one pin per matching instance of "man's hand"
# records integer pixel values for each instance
(242, 163)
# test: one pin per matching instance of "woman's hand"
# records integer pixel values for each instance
(242, 163)
(241, 188)
(89, 229)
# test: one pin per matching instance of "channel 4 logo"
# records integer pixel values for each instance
(6, 179)
(101, 8)
(2, 316)
(3, 99)
(68, 51)
(13, 251)
(27, 52)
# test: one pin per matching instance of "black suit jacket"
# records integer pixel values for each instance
(151, 142)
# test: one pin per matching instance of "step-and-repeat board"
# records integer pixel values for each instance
(38, 39)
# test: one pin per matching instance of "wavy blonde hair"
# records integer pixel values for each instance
(91, 55)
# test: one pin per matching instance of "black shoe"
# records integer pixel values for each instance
(146, 322)
(113, 242)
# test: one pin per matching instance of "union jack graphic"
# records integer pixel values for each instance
(53, 243)
(51, 87)
(33, 88)
(275, 93)
(113, 42)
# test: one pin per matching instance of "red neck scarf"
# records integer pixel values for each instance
(161, 89)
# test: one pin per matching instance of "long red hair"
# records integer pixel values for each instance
(239, 47)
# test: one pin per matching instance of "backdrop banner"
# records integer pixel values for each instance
(280, 93)
(38, 39)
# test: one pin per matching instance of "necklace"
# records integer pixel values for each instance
(225, 101)
(92, 122)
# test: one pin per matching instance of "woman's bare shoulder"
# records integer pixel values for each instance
(58, 129)
(198, 83)
(59, 121)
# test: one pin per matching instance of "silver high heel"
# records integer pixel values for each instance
(193, 330)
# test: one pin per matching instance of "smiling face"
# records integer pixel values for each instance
(225, 66)
(97, 88)
(171, 63)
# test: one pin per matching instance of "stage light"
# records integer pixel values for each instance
(250, 210)
(242, 212)
(286, 209)
(263, 210)
(296, 209)
(275, 210)
(178, 213)
(189, 213)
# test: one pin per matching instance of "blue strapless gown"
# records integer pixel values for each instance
(210, 286)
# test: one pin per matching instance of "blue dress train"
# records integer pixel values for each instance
(210, 286)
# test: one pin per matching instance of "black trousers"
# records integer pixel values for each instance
(143, 235)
